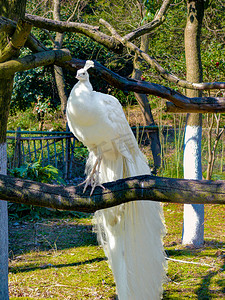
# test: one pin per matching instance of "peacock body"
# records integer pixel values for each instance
(131, 234)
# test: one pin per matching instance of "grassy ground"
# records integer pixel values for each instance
(60, 259)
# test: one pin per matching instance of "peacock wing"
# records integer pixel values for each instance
(122, 138)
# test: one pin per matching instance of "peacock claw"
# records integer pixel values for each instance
(93, 178)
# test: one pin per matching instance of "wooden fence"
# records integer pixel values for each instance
(51, 148)
(60, 149)
(66, 153)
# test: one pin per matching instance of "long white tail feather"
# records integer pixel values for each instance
(131, 234)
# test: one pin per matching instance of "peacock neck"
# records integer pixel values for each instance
(85, 85)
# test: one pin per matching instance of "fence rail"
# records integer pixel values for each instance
(62, 150)
(55, 148)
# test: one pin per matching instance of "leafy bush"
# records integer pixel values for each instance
(36, 172)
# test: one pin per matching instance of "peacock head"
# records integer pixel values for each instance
(82, 74)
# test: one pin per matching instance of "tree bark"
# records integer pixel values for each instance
(88, 30)
(5, 97)
(13, 9)
(3, 231)
(8, 68)
(121, 191)
(182, 102)
(58, 71)
(193, 224)
(146, 108)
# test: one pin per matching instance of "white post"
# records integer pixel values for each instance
(193, 223)
(3, 232)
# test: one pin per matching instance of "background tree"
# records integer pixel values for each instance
(193, 228)
(13, 10)
(9, 51)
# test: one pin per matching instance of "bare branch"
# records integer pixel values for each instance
(74, 11)
(88, 30)
(180, 102)
(163, 9)
(32, 61)
(35, 46)
(121, 191)
(198, 105)
(153, 63)
(147, 28)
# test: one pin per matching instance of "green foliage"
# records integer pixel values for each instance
(36, 172)
(151, 8)
(31, 86)
(41, 106)
(27, 120)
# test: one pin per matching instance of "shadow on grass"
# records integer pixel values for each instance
(204, 292)
(16, 270)
(192, 252)
(51, 235)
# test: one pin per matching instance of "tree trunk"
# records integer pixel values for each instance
(61, 88)
(193, 226)
(12, 9)
(58, 71)
(3, 232)
(5, 96)
(146, 108)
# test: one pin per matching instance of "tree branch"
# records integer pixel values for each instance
(147, 28)
(181, 102)
(154, 64)
(17, 41)
(198, 105)
(121, 191)
(36, 46)
(32, 61)
(88, 30)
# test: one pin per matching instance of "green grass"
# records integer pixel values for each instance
(60, 259)
(187, 280)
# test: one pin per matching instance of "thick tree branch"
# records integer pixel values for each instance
(17, 41)
(203, 104)
(36, 46)
(7, 25)
(137, 188)
(199, 105)
(32, 61)
(88, 30)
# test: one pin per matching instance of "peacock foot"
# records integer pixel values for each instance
(93, 178)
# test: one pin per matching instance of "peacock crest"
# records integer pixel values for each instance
(89, 64)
